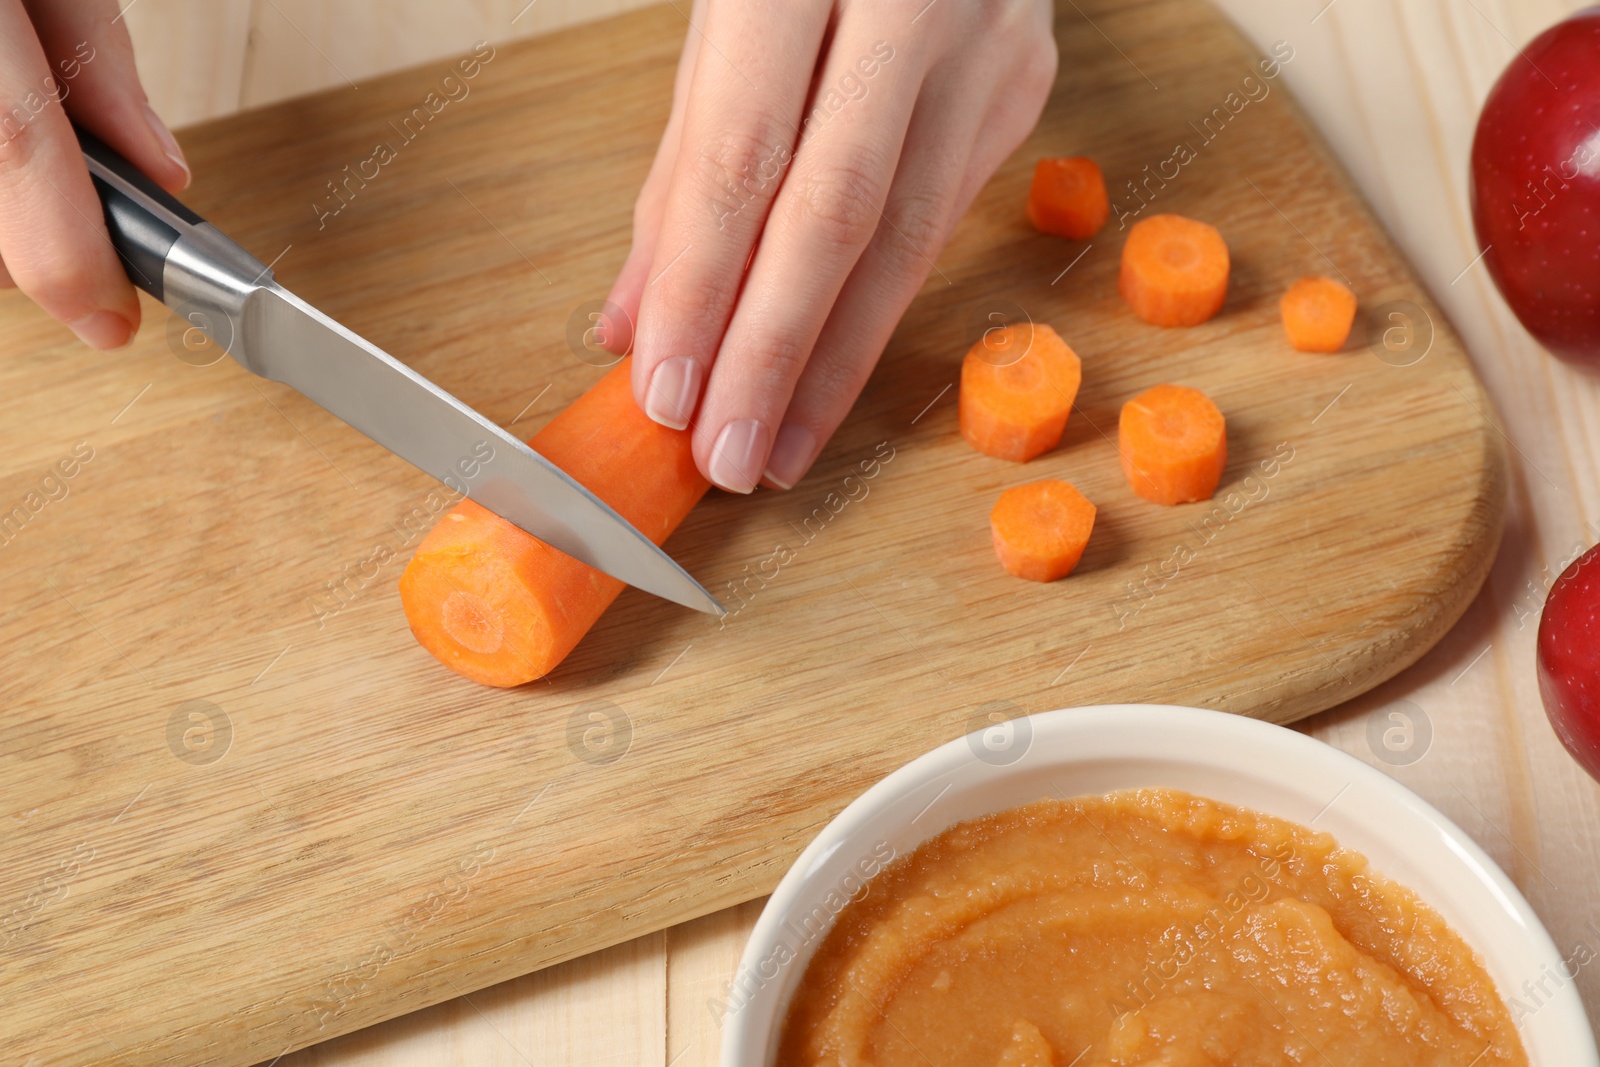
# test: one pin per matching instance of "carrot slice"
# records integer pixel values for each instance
(1174, 270)
(1174, 444)
(1017, 388)
(1040, 529)
(1317, 314)
(501, 607)
(1068, 197)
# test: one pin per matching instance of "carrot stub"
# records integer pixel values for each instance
(1174, 444)
(1040, 529)
(1017, 388)
(501, 607)
(1317, 314)
(1174, 270)
(1068, 197)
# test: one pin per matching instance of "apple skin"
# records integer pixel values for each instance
(1569, 659)
(1536, 187)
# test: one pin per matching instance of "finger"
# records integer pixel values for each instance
(52, 232)
(92, 58)
(827, 211)
(651, 204)
(946, 161)
(921, 209)
(1011, 113)
(739, 130)
(5, 278)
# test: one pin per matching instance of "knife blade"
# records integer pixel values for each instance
(192, 267)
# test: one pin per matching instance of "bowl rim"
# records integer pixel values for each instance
(750, 1030)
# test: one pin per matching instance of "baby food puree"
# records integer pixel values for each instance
(1148, 927)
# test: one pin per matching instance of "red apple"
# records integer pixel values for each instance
(1569, 659)
(1536, 187)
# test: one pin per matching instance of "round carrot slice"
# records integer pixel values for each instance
(1174, 444)
(1040, 529)
(1174, 271)
(1017, 388)
(1317, 314)
(1068, 197)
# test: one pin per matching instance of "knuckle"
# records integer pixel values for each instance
(840, 200)
(697, 300)
(19, 139)
(936, 17)
(780, 358)
(916, 230)
(738, 168)
(63, 288)
(839, 376)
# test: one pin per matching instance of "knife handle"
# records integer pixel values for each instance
(171, 252)
(144, 220)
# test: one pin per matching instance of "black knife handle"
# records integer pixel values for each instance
(175, 255)
(144, 220)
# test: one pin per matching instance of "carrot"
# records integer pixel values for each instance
(1017, 388)
(1174, 444)
(1174, 271)
(1068, 198)
(501, 607)
(1317, 314)
(1040, 529)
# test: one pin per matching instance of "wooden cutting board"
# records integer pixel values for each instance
(242, 811)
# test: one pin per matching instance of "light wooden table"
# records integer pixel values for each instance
(1395, 87)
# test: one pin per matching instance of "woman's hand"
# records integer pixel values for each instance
(817, 156)
(61, 58)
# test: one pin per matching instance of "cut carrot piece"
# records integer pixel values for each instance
(501, 607)
(1017, 388)
(1174, 271)
(1174, 444)
(1040, 529)
(1068, 197)
(1317, 314)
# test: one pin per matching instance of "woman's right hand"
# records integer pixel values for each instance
(61, 60)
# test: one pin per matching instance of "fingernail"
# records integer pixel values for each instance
(105, 330)
(169, 143)
(792, 453)
(673, 389)
(737, 456)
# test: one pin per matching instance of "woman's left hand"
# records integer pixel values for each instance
(817, 156)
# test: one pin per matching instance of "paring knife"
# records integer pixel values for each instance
(197, 271)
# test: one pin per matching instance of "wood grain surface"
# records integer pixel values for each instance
(1395, 88)
(347, 832)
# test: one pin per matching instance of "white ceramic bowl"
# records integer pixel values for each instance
(1226, 757)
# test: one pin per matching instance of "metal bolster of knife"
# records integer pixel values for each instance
(175, 255)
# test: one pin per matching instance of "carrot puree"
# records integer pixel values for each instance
(1138, 929)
